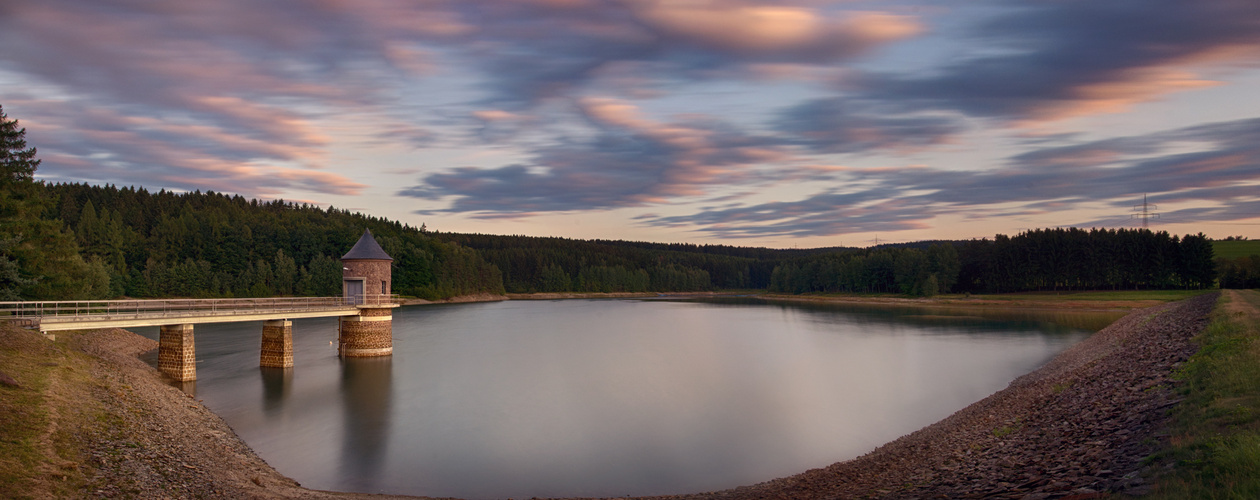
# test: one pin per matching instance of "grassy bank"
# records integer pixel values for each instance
(1215, 450)
(1108, 295)
(1120, 300)
(39, 457)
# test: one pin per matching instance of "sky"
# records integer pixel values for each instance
(805, 123)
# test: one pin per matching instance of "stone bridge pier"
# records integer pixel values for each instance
(277, 344)
(176, 356)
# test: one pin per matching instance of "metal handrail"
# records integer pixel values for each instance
(183, 307)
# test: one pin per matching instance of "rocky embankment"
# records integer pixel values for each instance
(1079, 425)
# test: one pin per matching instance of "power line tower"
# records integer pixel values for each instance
(1144, 212)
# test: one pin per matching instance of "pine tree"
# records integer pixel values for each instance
(17, 162)
(11, 280)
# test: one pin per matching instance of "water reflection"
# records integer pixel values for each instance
(366, 385)
(189, 387)
(276, 383)
(989, 317)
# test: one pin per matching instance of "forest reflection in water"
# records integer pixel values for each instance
(609, 397)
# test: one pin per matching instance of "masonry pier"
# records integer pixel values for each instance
(176, 356)
(277, 344)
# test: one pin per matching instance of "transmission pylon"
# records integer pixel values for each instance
(1144, 212)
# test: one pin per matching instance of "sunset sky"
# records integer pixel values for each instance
(796, 123)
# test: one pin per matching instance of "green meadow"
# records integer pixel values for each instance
(1236, 248)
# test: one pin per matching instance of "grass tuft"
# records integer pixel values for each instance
(1007, 430)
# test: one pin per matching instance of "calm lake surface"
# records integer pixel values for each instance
(609, 397)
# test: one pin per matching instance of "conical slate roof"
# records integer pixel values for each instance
(366, 249)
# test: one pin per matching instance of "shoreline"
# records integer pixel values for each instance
(1033, 302)
(488, 297)
(1016, 442)
(977, 303)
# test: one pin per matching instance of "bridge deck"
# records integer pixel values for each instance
(83, 315)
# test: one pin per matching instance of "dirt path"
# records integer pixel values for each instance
(1243, 303)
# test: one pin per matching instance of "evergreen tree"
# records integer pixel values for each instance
(17, 162)
(47, 258)
(1198, 268)
(11, 280)
(286, 273)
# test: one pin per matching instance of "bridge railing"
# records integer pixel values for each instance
(182, 307)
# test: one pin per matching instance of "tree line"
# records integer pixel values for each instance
(1240, 272)
(1036, 260)
(911, 271)
(535, 264)
(1078, 259)
(215, 245)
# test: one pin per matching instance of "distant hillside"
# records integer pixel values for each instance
(1234, 249)
(535, 264)
(1041, 259)
(215, 245)
(137, 243)
(132, 242)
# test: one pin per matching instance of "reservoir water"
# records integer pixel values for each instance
(608, 397)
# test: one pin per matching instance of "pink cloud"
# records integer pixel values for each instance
(1118, 94)
(100, 145)
(759, 28)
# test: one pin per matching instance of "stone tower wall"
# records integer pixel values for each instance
(371, 333)
(373, 273)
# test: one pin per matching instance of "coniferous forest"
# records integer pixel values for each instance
(1040, 260)
(79, 241)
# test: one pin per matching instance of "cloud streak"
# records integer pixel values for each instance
(100, 146)
(1225, 175)
(631, 161)
(1077, 57)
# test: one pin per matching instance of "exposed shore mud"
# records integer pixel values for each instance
(461, 299)
(1080, 424)
(967, 302)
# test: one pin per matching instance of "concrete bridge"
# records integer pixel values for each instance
(176, 318)
(364, 312)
